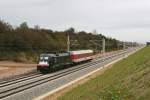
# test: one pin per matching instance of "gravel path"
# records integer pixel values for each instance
(11, 69)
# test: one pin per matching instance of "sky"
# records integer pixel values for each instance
(126, 20)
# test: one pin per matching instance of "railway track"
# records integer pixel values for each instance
(4, 81)
(20, 79)
(17, 85)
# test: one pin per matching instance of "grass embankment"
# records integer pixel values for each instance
(128, 79)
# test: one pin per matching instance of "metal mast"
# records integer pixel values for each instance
(124, 45)
(103, 45)
(68, 43)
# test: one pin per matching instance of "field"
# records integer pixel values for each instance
(129, 79)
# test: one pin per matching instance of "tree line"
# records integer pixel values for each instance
(24, 39)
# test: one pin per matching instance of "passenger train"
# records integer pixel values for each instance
(49, 62)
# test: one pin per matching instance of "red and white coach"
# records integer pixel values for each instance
(81, 55)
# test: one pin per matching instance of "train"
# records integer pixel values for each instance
(49, 62)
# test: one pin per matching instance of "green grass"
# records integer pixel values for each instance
(128, 79)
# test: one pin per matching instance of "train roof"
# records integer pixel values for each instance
(81, 51)
(55, 54)
(46, 54)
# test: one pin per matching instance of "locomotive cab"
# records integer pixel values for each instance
(45, 62)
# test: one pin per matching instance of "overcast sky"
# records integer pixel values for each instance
(127, 20)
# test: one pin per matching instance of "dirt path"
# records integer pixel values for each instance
(10, 68)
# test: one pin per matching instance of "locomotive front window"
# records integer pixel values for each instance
(44, 60)
(41, 59)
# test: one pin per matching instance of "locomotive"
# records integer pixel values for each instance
(49, 62)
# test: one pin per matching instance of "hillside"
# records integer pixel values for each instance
(129, 79)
